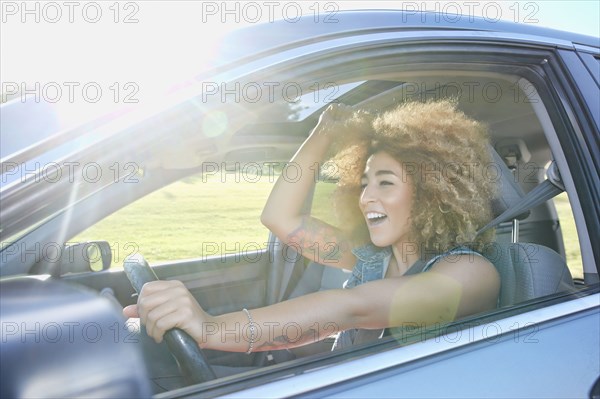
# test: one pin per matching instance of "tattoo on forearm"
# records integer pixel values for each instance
(318, 241)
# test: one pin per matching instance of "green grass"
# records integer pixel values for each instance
(195, 218)
(187, 219)
(569, 233)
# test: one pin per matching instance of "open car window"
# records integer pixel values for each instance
(200, 216)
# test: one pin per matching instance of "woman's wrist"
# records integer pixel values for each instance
(229, 332)
(208, 328)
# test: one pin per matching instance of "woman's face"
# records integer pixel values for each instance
(386, 200)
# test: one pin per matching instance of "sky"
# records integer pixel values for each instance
(129, 49)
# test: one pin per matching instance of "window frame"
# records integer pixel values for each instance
(537, 64)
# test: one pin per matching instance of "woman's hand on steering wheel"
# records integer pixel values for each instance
(163, 305)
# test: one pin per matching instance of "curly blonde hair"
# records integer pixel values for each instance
(444, 152)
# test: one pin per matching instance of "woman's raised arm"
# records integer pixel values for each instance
(283, 214)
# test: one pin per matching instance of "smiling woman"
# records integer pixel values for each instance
(443, 153)
(392, 282)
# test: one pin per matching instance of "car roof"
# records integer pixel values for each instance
(34, 122)
(258, 38)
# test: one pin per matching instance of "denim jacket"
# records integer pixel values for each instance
(371, 265)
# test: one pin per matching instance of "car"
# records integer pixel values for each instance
(180, 185)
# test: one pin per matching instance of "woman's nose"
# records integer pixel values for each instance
(367, 195)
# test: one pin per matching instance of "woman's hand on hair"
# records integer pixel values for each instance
(333, 119)
(336, 112)
(344, 125)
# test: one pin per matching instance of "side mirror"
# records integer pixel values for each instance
(88, 256)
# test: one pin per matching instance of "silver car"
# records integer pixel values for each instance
(182, 183)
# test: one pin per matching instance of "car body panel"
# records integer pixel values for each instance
(442, 366)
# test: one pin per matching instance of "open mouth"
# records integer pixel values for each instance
(375, 218)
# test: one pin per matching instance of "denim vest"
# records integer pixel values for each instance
(371, 265)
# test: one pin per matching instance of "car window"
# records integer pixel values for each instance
(204, 215)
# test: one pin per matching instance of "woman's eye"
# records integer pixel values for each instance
(385, 183)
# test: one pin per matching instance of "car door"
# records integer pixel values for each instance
(509, 341)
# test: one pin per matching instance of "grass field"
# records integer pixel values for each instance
(195, 218)
(187, 219)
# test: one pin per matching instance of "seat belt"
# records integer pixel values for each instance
(548, 189)
(289, 266)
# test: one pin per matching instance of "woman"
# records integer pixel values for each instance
(416, 173)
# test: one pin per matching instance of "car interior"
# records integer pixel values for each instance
(521, 138)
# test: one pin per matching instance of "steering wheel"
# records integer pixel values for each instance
(190, 359)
